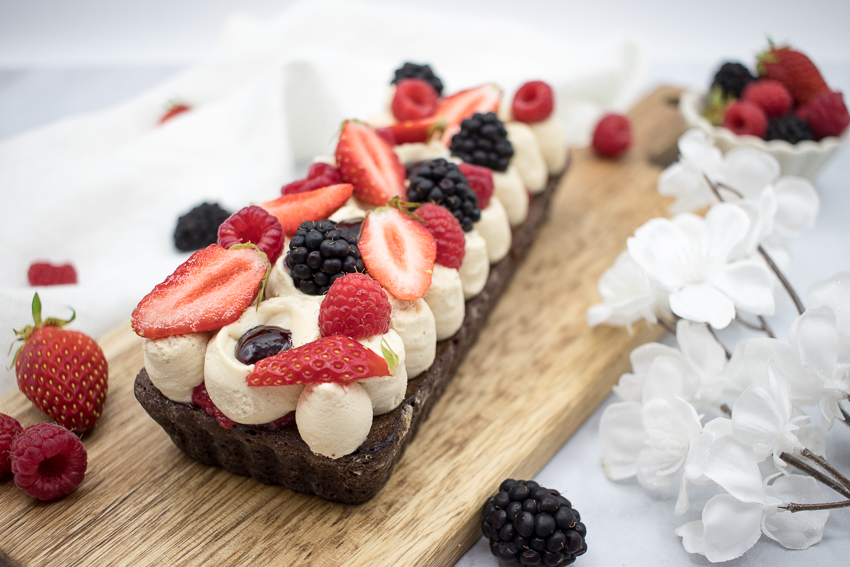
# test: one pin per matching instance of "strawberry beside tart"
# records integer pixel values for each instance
(314, 367)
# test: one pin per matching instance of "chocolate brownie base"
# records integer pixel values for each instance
(282, 457)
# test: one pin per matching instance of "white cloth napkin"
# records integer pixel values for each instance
(104, 190)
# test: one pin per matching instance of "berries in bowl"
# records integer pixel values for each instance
(785, 108)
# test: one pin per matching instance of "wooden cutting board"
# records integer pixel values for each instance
(535, 374)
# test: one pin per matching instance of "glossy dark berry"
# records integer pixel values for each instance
(528, 524)
(414, 71)
(319, 254)
(262, 342)
(790, 128)
(483, 140)
(441, 182)
(199, 227)
(732, 78)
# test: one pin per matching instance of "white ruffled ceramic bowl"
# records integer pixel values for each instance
(804, 159)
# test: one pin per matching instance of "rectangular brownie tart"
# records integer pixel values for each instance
(282, 457)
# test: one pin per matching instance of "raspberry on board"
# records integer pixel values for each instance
(255, 225)
(446, 230)
(356, 306)
(48, 461)
(612, 136)
(9, 429)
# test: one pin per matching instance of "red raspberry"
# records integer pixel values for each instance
(769, 95)
(612, 136)
(480, 180)
(745, 119)
(446, 230)
(9, 429)
(253, 224)
(355, 306)
(45, 273)
(826, 113)
(319, 175)
(533, 102)
(201, 398)
(414, 99)
(48, 461)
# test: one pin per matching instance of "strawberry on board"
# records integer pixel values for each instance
(64, 373)
(330, 359)
(398, 251)
(454, 109)
(369, 163)
(318, 204)
(794, 70)
(206, 292)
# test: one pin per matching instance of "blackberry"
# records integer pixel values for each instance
(554, 535)
(441, 182)
(790, 128)
(319, 254)
(732, 78)
(483, 140)
(414, 71)
(199, 227)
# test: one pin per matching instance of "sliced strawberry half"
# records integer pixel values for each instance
(293, 209)
(330, 359)
(399, 252)
(456, 108)
(206, 292)
(411, 131)
(369, 163)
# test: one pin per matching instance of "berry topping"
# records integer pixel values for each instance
(794, 70)
(9, 429)
(63, 373)
(790, 128)
(826, 113)
(414, 71)
(612, 136)
(319, 254)
(483, 140)
(446, 230)
(48, 461)
(528, 524)
(480, 180)
(769, 95)
(45, 273)
(732, 78)
(206, 292)
(441, 182)
(199, 227)
(330, 359)
(414, 99)
(399, 252)
(201, 398)
(319, 175)
(411, 131)
(356, 307)
(294, 209)
(174, 109)
(253, 224)
(262, 342)
(369, 163)
(533, 102)
(454, 109)
(745, 119)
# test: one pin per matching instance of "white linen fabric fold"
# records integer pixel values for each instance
(104, 190)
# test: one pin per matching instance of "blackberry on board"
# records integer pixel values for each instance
(790, 128)
(199, 227)
(319, 254)
(414, 71)
(441, 182)
(483, 140)
(552, 535)
(732, 78)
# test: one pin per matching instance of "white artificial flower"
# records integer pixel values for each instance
(834, 292)
(684, 180)
(622, 437)
(628, 296)
(690, 257)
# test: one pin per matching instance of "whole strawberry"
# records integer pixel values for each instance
(794, 70)
(64, 373)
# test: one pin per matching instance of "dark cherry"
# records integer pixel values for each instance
(262, 342)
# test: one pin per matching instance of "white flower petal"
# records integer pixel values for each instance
(643, 356)
(700, 348)
(730, 527)
(727, 225)
(799, 530)
(653, 247)
(622, 437)
(687, 185)
(698, 150)
(756, 420)
(671, 425)
(748, 284)
(749, 170)
(834, 292)
(797, 205)
(713, 430)
(667, 378)
(733, 466)
(692, 537)
(703, 303)
(816, 338)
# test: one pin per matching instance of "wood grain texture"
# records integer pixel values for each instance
(536, 372)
